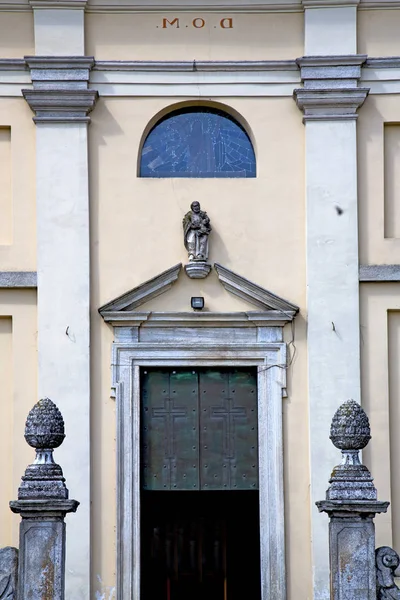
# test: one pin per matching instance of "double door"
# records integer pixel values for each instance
(199, 429)
(199, 499)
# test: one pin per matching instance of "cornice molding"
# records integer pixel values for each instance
(143, 293)
(243, 7)
(253, 293)
(191, 66)
(329, 3)
(60, 91)
(69, 63)
(340, 60)
(330, 89)
(379, 4)
(387, 62)
(61, 106)
(330, 104)
(132, 318)
(122, 7)
(374, 273)
(18, 279)
(13, 64)
(58, 4)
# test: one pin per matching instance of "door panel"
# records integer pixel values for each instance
(228, 430)
(199, 429)
(170, 430)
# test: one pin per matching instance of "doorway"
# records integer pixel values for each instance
(199, 484)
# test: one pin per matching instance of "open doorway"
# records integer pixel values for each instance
(199, 484)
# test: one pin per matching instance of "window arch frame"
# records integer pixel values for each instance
(173, 108)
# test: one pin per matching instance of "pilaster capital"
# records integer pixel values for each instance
(329, 3)
(60, 91)
(58, 4)
(330, 89)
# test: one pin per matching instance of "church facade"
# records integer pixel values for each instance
(199, 262)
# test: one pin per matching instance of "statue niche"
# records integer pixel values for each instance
(196, 229)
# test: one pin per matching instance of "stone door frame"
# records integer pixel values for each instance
(176, 347)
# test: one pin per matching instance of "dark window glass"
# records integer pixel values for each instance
(197, 142)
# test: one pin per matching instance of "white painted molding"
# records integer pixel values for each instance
(143, 292)
(192, 78)
(125, 318)
(18, 279)
(211, 78)
(129, 356)
(379, 4)
(379, 273)
(255, 294)
(106, 6)
(195, 65)
(132, 6)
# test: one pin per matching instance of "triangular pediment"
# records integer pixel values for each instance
(129, 306)
(253, 293)
(143, 292)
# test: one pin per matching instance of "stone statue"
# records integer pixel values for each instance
(196, 229)
(387, 561)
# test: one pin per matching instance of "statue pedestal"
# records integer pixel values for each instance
(197, 269)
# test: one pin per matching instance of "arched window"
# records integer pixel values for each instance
(197, 142)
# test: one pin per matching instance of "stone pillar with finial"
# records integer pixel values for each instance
(43, 503)
(351, 503)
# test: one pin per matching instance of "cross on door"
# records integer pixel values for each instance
(228, 414)
(169, 413)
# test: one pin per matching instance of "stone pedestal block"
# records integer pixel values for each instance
(352, 548)
(351, 503)
(42, 503)
(42, 547)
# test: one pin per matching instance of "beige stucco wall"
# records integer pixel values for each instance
(375, 248)
(18, 328)
(380, 352)
(18, 235)
(18, 331)
(143, 37)
(378, 32)
(136, 232)
(16, 34)
(379, 215)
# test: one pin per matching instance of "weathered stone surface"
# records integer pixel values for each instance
(350, 432)
(44, 427)
(42, 503)
(44, 430)
(351, 505)
(8, 573)
(387, 561)
(197, 269)
(350, 428)
(42, 549)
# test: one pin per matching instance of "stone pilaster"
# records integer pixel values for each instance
(61, 102)
(329, 101)
(351, 503)
(43, 503)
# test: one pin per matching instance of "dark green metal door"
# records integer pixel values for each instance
(199, 429)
